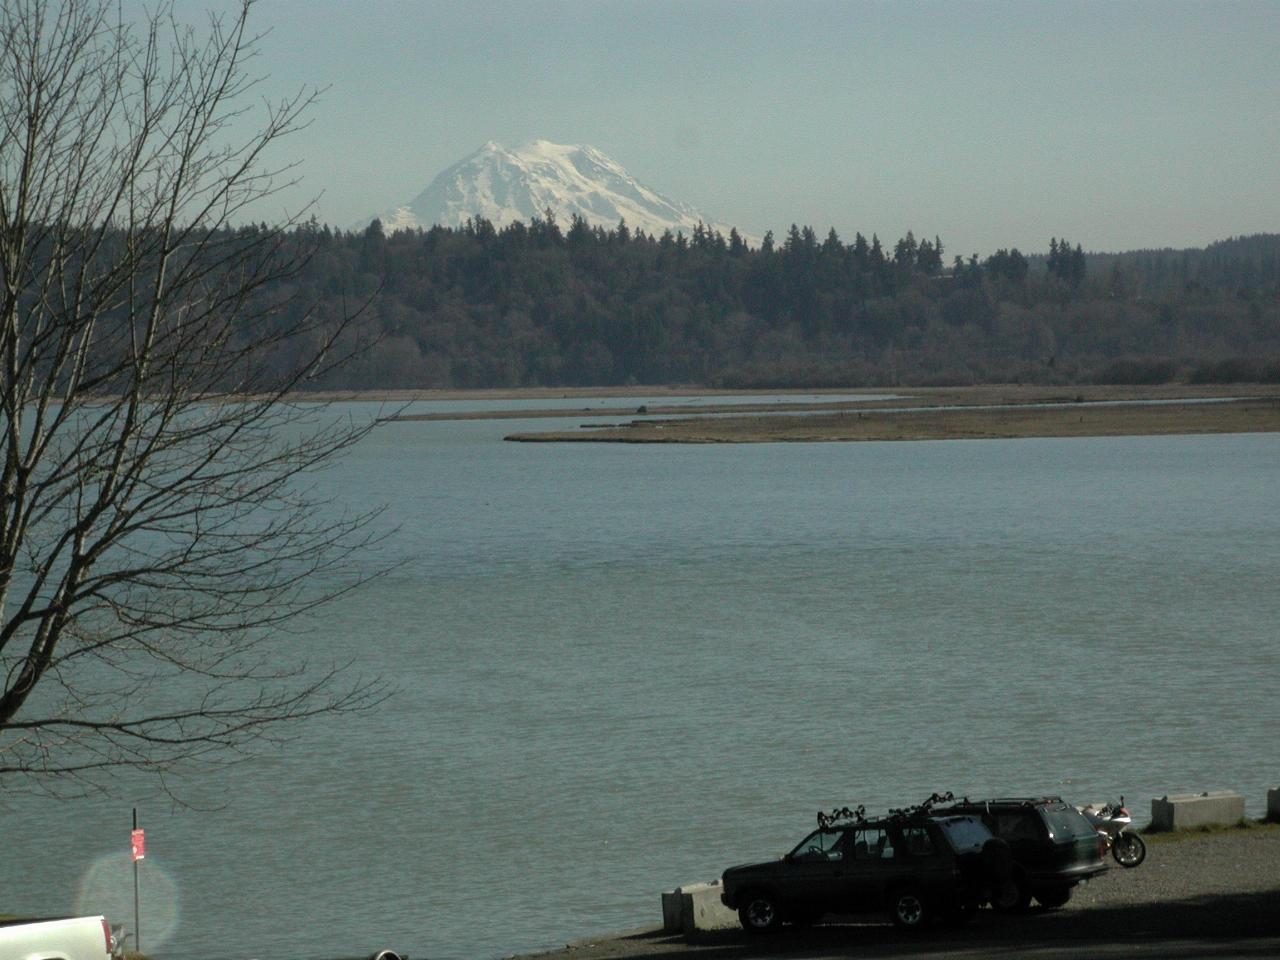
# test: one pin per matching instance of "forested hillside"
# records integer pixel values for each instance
(535, 304)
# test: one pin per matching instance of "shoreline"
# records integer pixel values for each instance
(570, 393)
(985, 393)
(1195, 890)
(996, 411)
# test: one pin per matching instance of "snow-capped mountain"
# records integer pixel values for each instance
(504, 185)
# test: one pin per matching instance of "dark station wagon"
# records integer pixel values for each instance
(1054, 847)
(910, 864)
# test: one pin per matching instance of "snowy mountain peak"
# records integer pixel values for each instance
(503, 185)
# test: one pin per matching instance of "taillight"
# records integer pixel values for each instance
(106, 934)
(1124, 812)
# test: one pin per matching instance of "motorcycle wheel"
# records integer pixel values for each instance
(1129, 850)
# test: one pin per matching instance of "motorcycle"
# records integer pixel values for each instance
(1111, 821)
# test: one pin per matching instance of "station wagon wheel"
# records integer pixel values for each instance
(909, 911)
(1053, 897)
(759, 913)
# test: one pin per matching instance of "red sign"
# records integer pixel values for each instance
(139, 841)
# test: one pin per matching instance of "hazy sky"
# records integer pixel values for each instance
(1115, 124)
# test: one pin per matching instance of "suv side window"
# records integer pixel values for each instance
(872, 843)
(821, 845)
(917, 842)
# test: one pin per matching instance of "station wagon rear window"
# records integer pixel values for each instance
(1067, 824)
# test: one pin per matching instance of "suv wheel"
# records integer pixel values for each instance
(909, 911)
(1012, 895)
(759, 913)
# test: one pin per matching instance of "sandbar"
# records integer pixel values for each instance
(964, 413)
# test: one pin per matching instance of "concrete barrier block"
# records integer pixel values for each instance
(1273, 804)
(1189, 810)
(701, 909)
(672, 912)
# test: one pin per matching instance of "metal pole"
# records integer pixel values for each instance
(137, 932)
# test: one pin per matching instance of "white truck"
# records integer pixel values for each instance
(64, 938)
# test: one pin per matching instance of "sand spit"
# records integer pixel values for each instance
(959, 417)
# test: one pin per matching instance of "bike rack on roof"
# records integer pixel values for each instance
(858, 814)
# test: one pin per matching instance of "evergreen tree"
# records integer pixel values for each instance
(861, 252)
(1077, 267)
(579, 232)
(904, 252)
(462, 308)
(793, 245)
(929, 258)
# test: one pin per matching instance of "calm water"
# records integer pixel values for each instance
(622, 668)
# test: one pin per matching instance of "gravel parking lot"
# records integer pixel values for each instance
(1213, 895)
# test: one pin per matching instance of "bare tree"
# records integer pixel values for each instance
(157, 530)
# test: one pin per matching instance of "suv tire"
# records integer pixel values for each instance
(1012, 895)
(908, 908)
(759, 913)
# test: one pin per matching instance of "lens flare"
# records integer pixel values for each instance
(107, 888)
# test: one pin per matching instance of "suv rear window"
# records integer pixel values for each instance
(1067, 824)
(965, 833)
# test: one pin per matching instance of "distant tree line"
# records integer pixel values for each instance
(542, 303)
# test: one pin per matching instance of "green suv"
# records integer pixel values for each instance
(910, 864)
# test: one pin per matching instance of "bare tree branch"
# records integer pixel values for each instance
(157, 533)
